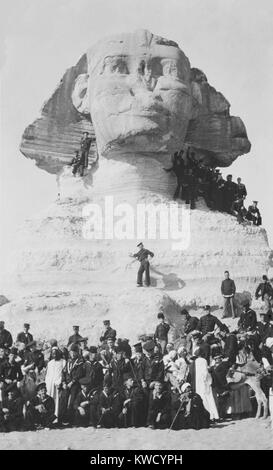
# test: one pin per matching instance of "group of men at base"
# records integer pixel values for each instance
(181, 385)
(195, 179)
(80, 161)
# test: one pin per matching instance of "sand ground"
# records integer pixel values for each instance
(249, 434)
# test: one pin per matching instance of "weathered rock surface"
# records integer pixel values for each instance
(144, 100)
(135, 92)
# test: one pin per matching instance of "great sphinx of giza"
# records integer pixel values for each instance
(139, 98)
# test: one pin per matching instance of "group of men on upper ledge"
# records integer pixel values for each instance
(198, 379)
(195, 179)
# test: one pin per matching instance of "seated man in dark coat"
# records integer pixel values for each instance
(132, 404)
(11, 413)
(82, 403)
(40, 410)
(208, 322)
(188, 411)
(76, 338)
(10, 372)
(108, 406)
(159, 410)
(230, 349)
(190, 322)
(253, 214)
(248, 318)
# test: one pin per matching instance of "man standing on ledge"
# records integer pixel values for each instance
(228, 290)
(142, 255)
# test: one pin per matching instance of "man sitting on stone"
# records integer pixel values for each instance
(40, 410)
(238, 210)
(82, 403)
(11, 412)
(264, 327)
(208, 322)
(253, 214)
(248, 318)
(265, 291)
(159, 410)
(132, 402)
(188, 411)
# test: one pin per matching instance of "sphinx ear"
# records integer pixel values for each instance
(80, 98)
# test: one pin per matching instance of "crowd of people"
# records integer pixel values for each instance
(195, 179)
(192, 382)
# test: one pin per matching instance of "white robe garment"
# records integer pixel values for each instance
(53, 379)
(203, 382)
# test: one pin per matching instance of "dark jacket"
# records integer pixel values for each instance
(190, 325)
(248, 320)
(228, 287)
(153, 369)
(231, 348)
(5, 339)
(94, 372)
(109, 333)
(24, 337)
(264, 288)
(143, 254)
(161, 331)
(207, 323)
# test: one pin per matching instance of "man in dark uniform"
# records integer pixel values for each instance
(10, 372)
(76, 337)
(153, 366)
(241, 189)
(78, 164)
(161, 332)
(132, 398)
(5, 336)
(93, 369)
(107, 405)
(82, 403)
(178, 169)
(190, 322)
(264, 327)
(208, 322)
(108, 332)
(143, 257)
(230, 349)
(40, 411)
(85, 147)
(34, 358)
(217, 191)
(238, 210)
(117, 368)
(159, 410)
(248, 318)
(265, 291)
(230, 189)
(228, 290)
(25, 336)
(253, 214)
(74, 372)
(137, 362)
(11, 412)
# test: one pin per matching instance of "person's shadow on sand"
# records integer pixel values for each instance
(171, 281)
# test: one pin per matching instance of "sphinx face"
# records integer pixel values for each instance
(139, 93)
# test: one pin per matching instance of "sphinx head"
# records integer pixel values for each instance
(137, 90)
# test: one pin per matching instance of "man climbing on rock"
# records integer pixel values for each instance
(143, 257)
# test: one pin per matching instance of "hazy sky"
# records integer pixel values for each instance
(230, 40)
